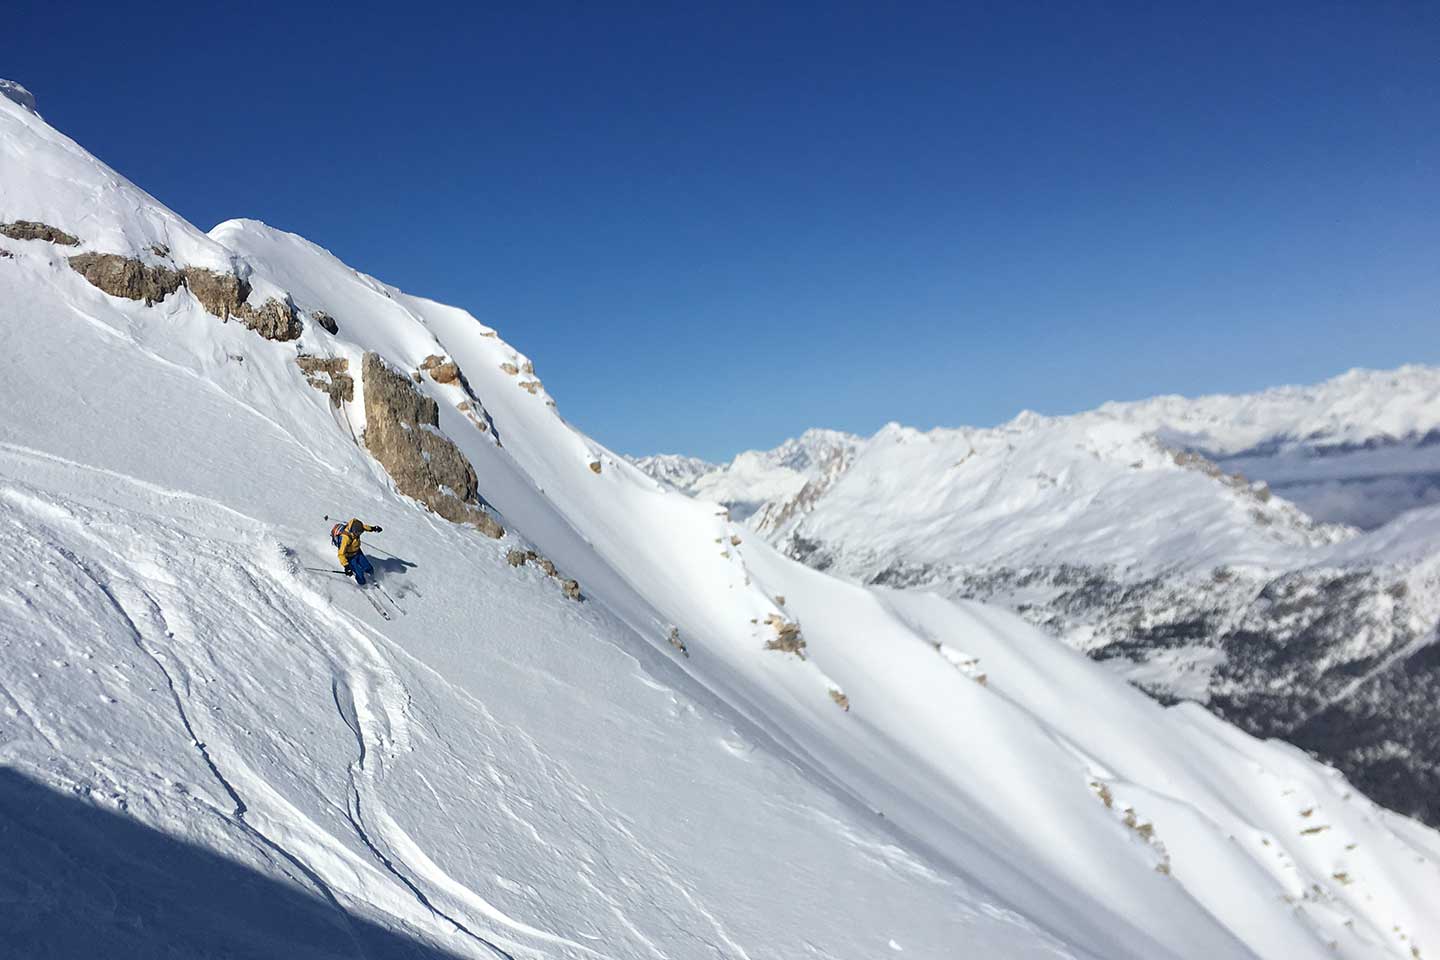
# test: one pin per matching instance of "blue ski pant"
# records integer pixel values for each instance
(360, 565)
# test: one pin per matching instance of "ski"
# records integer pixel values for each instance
(374, 603)
(381, 587)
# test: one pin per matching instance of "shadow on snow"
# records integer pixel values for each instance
(77, 880)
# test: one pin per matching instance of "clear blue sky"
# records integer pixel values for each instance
(716, 225)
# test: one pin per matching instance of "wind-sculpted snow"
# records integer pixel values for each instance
(500, 771)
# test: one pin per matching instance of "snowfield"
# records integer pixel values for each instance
(211, 744)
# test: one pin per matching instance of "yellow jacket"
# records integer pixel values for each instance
(350, 540)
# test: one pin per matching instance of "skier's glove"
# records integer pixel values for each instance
(377, 529)
(347, 571)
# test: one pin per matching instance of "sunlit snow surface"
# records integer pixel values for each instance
(503, 771)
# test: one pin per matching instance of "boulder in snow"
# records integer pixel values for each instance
(33, 230)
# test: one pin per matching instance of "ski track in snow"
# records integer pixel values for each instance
(587, 875)
(354, 686)
(112, 591)
(134, 605)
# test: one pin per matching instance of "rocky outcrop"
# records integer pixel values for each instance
(519, 558)
(329, 375)
(33, 230)
(787, 637)
(402, 431)
(1190, 460)
(273, 319)
(226, 295)
(223, 295)
(440, 369)
(324, 321)
(127, 277)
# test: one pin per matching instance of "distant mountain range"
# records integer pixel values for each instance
(1275, 556)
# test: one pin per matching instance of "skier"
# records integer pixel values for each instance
(353, 562)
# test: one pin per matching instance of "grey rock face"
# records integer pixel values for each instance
(402, 432)
(33, 230)
(325, 321)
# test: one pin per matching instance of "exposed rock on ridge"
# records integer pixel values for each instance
(223, 295)
(226, 295)
(329, 375)
(402, 432)
(33, 230)
(127, 277)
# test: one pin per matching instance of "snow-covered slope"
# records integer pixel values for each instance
(1117, 531)
(1055, 490)
(826, 769)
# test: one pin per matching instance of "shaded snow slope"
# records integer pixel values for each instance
(829, 770)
